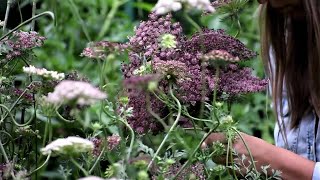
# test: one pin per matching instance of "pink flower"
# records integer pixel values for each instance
(82, 93)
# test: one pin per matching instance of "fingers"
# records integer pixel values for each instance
(214, 137)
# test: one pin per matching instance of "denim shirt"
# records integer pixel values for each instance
(301, 140)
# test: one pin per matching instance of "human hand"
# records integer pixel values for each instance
(249, 146)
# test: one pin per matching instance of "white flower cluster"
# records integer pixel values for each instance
(43, 72)
(82, 93)
(165, 6)
(69, 145)
(1, 23)
(91, 178)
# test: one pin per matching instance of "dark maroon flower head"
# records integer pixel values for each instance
(148, 33)
(141, 82)
(209, 40)
(235, 81)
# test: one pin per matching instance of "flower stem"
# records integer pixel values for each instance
(44, 163)
(170, 130)
(247, 147)
(6, 16)
(132, 139)
(34, 6)
(79, 166)
(97, 160)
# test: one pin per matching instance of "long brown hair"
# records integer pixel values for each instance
(294, 41)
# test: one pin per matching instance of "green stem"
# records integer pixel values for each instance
(77, 14)
(231, 155)
(132, 139)
(79, 166)
(148, 103)
(193, 153)
(6, 16)
(170, 130)
(97, 160)
(27, 21)
(12, 118)
(34, 6)
(110, 17)
(62, 118)
(41, 166)
(4, 154)
(247, 148)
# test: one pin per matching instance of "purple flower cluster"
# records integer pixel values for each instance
(113, 141)
(148, 33)
(235, 80)
(97, 50)
(209, 40)
(20, 42)
(186, 65)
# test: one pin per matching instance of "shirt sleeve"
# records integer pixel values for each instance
(316, 172)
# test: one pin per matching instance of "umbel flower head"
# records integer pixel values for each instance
(43, 72)
(81, 93)
(68, 146)
(20, 42)
(166, 6)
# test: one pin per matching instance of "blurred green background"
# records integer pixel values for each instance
(78, 22)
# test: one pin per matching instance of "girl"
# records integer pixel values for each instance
(290, 34)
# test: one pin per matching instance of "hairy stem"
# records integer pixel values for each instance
(170, 130)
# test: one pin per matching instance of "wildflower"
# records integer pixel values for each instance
(220, 55)
(113, 141)
(97, 146)
(43, 72)
(204, 5)
(91, 178)
(69, 145)
(82, 93)
(165, 6)
(144, 69)
(141, 82)
(21, 42)
(168, 41)
(209, 40)
(171, 69)
(98, 50)
(235, 81)
(1, 23)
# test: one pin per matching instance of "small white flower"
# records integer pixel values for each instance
(43, 72)
(82, 93)
(1, 23)
(91, 178)
(68, 145)
(165, 6)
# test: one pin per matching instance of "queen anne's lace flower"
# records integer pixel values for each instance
(91, 178)
(81, 93)
(165, 6)
(43, 72)
(69, 145)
